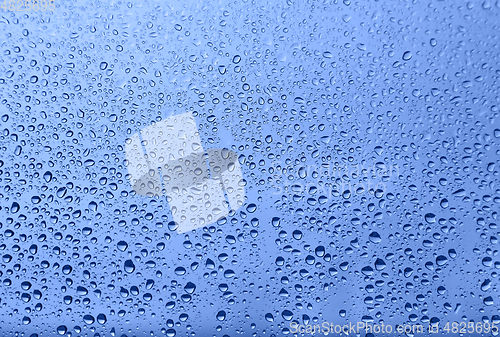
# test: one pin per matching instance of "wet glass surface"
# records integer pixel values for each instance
(249, 168)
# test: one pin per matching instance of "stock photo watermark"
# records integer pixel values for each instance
(357, 328)
(333, 180)
(167, 159)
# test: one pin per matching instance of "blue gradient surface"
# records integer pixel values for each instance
(369, 140)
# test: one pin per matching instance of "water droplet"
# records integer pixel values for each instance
(62, 329)
(129, 266)
(407, 56)
(430, 218)
(88, 319)
(221, 315)
(287, 315)
(441, 260)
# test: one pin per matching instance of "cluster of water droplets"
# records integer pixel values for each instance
(369, 146)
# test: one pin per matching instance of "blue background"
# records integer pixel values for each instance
(368, 134)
